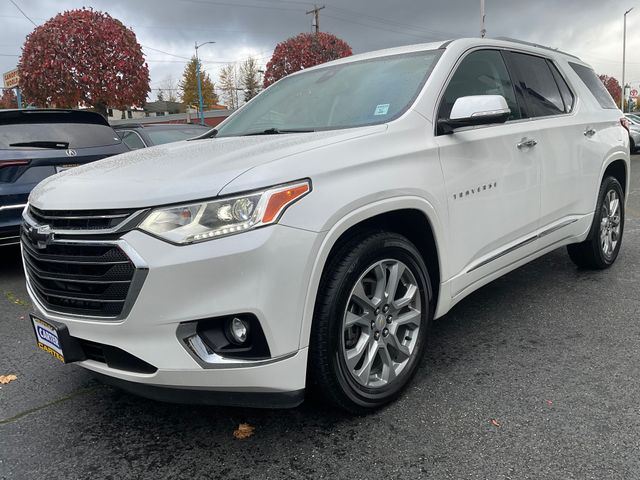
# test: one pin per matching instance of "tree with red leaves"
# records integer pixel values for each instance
(8, 99)
(304, 51)
(84, 58)
(613, 87)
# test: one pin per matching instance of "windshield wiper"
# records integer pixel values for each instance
(208, 134)
(276, 131)
(42, 144)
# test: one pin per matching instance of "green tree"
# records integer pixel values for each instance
(251, 78)
(189, 86)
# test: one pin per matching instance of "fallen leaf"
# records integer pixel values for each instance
(495, 423)
(14, 299)
(244, 431)
(4, 379)
(549, 402)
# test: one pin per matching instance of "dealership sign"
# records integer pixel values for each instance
(11, 79)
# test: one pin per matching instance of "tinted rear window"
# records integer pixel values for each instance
(78, 135)
(536, 83)
(593, 83)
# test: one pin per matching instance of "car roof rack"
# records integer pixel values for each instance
(537, 45)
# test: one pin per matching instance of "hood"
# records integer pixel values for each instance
(174, 172)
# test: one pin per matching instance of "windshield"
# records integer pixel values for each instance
(160, 136)
(355, 94)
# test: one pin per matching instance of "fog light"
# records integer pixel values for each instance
(239, 330)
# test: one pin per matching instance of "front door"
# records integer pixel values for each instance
(492, 176)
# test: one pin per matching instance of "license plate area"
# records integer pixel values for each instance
(54, 338)
(62, 168)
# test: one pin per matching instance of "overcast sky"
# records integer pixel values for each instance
(591, 29)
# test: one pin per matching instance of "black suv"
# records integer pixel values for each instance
(37, 143)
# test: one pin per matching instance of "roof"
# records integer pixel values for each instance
(462, 43)
(180, 117)
(50, 115)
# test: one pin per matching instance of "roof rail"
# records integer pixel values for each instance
(537, 45)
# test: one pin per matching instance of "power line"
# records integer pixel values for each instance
(24, 14)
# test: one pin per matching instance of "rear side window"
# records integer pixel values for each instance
(482, 72)
(131, 139)
(536, 83)
(565, 91)
(595, 86)
(77, 135)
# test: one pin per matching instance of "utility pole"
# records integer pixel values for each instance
(199, 84)
(316, 16)
(483, 31)
(624, 58)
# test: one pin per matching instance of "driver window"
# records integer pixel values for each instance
(482, 72)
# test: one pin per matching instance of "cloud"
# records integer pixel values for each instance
(591, 29)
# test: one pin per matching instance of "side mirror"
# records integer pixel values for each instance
(475, 110)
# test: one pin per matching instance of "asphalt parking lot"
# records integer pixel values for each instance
(534, 376)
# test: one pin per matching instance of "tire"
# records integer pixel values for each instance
(597, 252)
(369, 261)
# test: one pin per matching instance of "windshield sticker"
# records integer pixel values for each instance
(381, 109)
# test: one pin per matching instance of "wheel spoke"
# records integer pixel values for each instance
(360, 296)
(407, 298)
(395, 275)
(394, 342)
(365, 371)
(354, 354)
(351, 319)
(388, 367)
(412, 317)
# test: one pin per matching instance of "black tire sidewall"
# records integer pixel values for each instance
(389, 246)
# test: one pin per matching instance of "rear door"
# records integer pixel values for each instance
(493, 187)
(560, 135)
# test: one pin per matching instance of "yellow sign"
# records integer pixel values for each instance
(11, 78)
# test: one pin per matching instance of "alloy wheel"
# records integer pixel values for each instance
(610, 223)
(381, 323)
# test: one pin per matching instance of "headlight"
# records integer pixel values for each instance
(196, 222)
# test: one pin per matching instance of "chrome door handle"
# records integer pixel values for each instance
(590, 132)
(526, 144)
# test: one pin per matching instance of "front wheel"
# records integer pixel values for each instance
(370, 326)
(602, 246)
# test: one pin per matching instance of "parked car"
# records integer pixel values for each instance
(138, 135)
(35, 144)
(328, 222)
(633, 125)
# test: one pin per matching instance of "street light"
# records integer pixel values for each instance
(624, 57)
(199, 85)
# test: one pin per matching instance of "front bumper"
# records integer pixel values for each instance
(264, 272)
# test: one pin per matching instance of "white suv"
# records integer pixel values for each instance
(314, 236)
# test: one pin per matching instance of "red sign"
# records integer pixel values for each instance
(634, 93)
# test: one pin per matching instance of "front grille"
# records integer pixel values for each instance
(79, 278)
(79, 220)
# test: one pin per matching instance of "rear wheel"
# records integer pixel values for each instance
(370, 325)
(602, 246)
